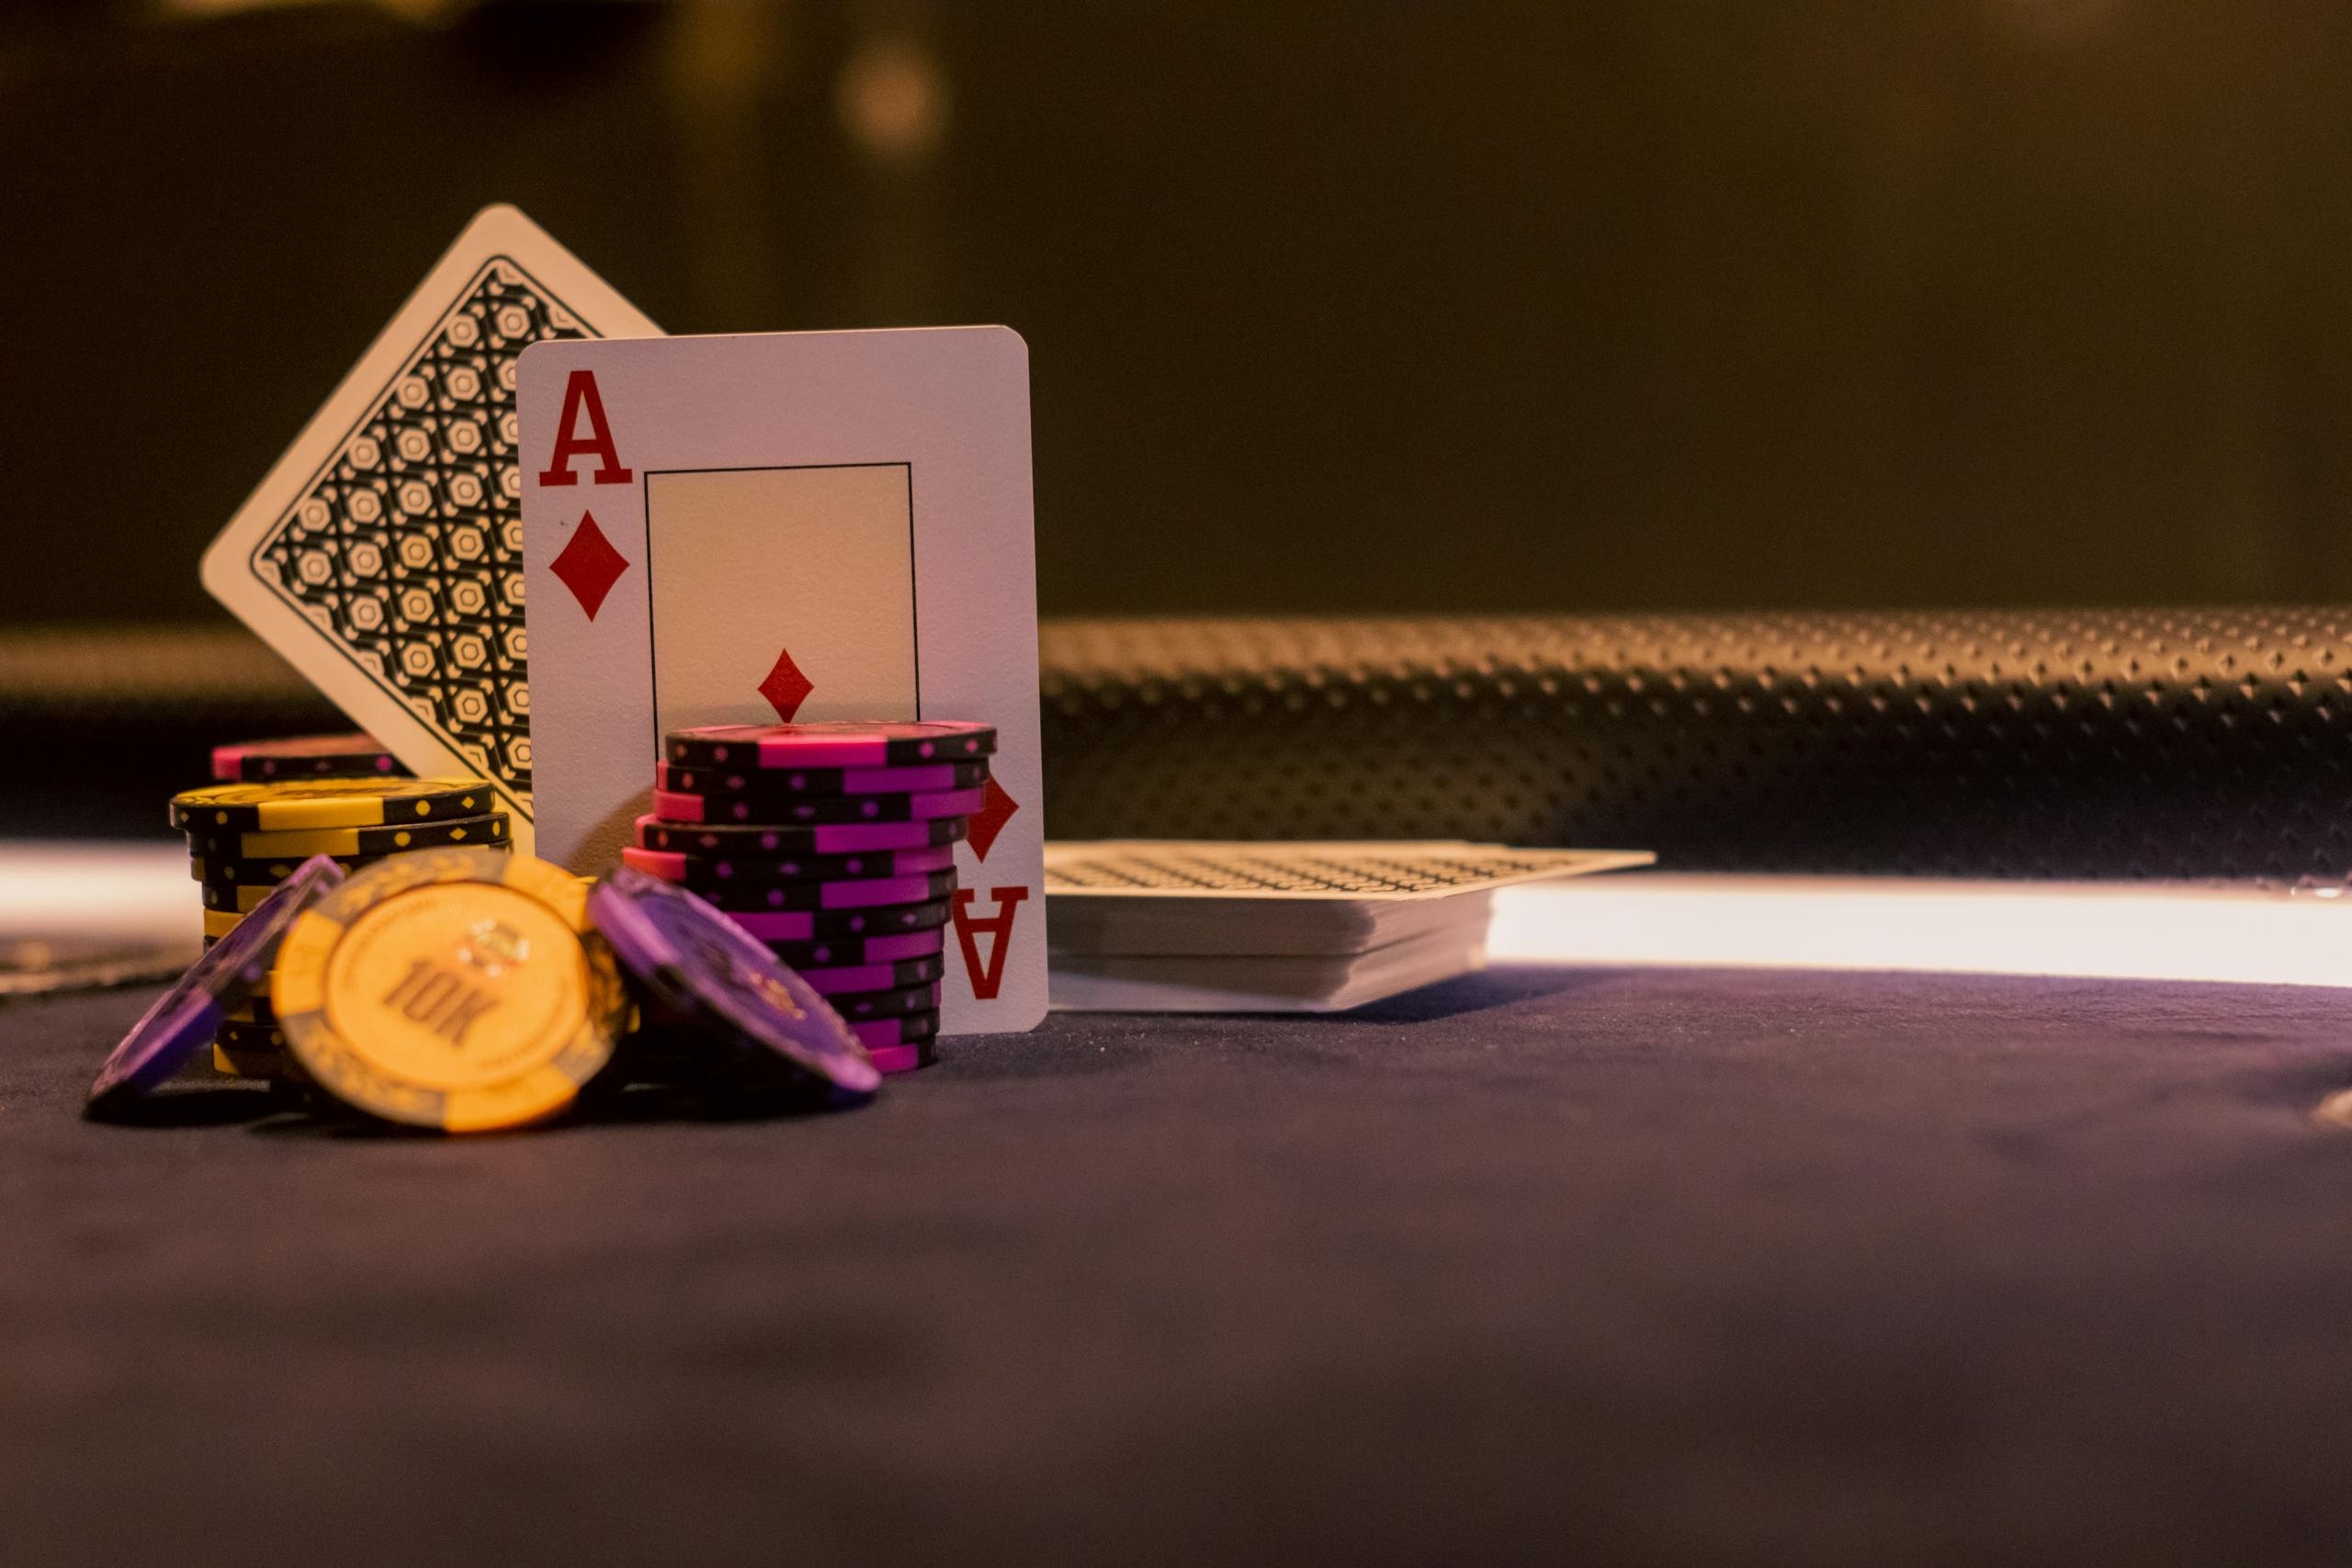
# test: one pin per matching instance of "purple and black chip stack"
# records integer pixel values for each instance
(834, 846)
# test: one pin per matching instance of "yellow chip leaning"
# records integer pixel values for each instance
(329, 803)
(461, 989)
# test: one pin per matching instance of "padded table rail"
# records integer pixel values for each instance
(2084, 743)
(2090, 743)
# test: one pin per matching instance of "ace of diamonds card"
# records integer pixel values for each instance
(790, 526)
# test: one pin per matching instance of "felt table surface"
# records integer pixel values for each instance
(1542, 1265)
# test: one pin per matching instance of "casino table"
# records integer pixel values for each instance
(1558, 1263)
(1571, 1261)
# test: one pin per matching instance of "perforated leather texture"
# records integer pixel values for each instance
(2054, 744)
(2032, 744)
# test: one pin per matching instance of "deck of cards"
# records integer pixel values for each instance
(1169, 926)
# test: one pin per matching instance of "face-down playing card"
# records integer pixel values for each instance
(382, 556)
(797, 526)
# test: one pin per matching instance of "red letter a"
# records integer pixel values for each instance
(986, 977)
(580, 396)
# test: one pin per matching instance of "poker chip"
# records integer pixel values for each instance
(838, 839)
(820, 925)
(352, 756)
(241, 898)
(256, 1009)
(890, 1060)
(711, 978)
(240, 1062)
(802, 784)
(752, 898)
(212, 844)
(305, 804)
(462, 989)
(261, 873)
(845, 744)
(858, 952)
(219, 923)
(235, 897)
(251, 1037)
(672, 806)
(187, 1017)
(703, 873)
(276, 1069)
(874, 976)
(905, 1030)
(250, 1051)
(897, 1002)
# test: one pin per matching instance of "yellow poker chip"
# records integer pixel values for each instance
(254, 1011)
(211, 845)
(461, 989)
(245, 1064)
(253, 1051)
(234, 898)
(328, 803)
(259, 872)
(251, 1062)
(220, 923)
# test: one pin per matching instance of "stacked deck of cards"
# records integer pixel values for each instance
(341, 796)
(1170, 926)
(833, 845)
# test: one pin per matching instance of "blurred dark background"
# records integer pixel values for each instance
(1336, 307)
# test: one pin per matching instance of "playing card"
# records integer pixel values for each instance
(797, 525)
(382, 554)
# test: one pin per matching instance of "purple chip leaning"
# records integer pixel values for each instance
(232, 972)
(702, 966)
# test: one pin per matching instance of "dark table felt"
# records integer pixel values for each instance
(1631, 1267)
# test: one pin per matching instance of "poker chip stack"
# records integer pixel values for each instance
(466, 989)
(833, 845)
(246, 838)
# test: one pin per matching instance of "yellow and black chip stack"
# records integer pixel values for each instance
(245, 839)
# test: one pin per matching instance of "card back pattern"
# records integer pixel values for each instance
(1311, 870)
(405, 548)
